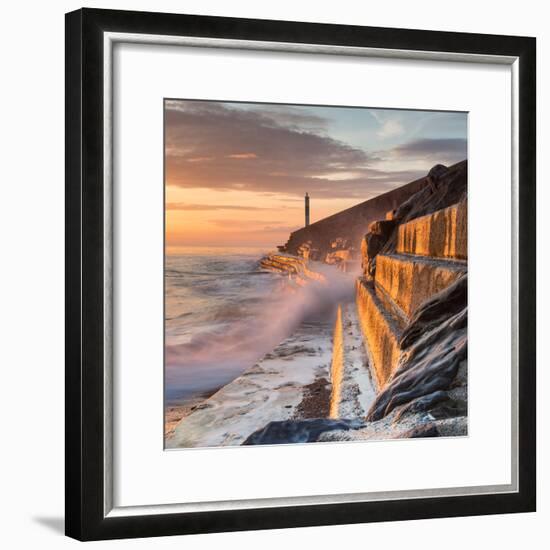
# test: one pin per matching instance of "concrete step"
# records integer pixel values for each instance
(442, 234)
(381, 331)
(410, 280)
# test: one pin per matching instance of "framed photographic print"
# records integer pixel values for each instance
(300, 274)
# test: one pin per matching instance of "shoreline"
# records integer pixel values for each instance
(293, 382)
(271, 390)
(322, 383)
(174, 414)
(394, 362)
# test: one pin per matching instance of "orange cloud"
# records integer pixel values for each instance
(243, 156)
(191, 207)
(199, 159)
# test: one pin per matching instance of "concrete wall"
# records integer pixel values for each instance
(380, 330)
(431, 254)
(443, 234)
(410, 280)
(352, 223)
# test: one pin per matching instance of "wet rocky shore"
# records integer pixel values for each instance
(388, 362)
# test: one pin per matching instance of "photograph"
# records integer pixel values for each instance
(275, 277)
(315, 273)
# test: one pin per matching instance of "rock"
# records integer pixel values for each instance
(339, 243)
(338, 256)
(297, 267)
(298, 431)
(202, 406)
(435, 175)
(422, 404)
(373, 242)
(449, 409)
(444, 189)
(382, 228)
(424, 430)
(304, 250)
(435, 310)
(459, 387)
(452, 427)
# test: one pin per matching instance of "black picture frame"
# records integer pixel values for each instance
(85, 518)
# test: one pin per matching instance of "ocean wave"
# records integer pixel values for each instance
(222, 322)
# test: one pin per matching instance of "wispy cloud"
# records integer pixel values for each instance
(438, 150)
(292, 117)
(242, 156)
(263, 225)
(391, 128)
(276, 149)
(195, 207)
(199, 159)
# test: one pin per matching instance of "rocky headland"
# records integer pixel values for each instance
(390, 360)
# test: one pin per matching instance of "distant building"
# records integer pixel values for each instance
(307, 209)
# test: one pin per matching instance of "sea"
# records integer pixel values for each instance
(219, 308)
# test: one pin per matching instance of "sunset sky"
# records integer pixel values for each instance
(236, 173)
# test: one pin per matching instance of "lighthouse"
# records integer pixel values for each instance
(306, 198)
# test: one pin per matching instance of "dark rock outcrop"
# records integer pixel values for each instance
(299, 431)
(436, 174)
(435, 311)
(432, 348)
(374, 241)
(445, 187)
(424, 430)
(422, 404)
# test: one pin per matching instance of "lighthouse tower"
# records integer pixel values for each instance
(307, 209)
